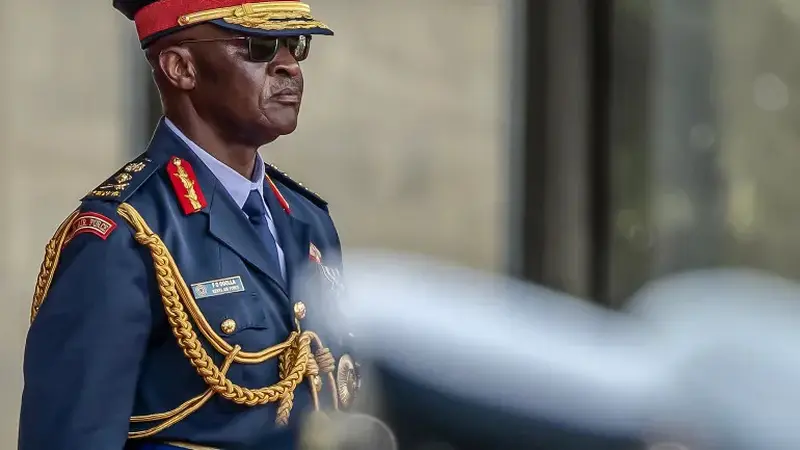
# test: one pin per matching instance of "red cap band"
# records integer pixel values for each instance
(166, 14)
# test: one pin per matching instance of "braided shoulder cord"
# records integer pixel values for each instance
(52, 253)
(169, 279)
(295, 354)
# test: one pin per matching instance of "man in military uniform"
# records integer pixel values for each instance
(167, 313)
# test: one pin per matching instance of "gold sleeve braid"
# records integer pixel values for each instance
(296, 360)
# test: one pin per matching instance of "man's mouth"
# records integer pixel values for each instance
(286, 97)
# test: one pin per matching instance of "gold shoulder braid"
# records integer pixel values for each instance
(296, 360)
(52, 253)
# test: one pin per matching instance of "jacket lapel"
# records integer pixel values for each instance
(226, 221)
(294, 234)
(228, 224)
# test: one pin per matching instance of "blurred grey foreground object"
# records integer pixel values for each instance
(345, 431)
(710, 357)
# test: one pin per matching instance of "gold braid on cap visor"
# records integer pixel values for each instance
(272, 16)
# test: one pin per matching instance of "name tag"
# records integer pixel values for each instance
(217, 287)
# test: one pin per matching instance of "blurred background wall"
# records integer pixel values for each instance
(587, 145)
(64, 126)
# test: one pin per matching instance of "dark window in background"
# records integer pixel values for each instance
(704, 139)
(665, 191)
(628, 254)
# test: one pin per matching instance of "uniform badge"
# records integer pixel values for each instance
(214, 288)
(314, 254)
(347, 382)
(91, 222)
(118, 187)
(184, 182)
(330, 275)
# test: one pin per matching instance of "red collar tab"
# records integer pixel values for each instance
(164, 15)
(186, 187)
(281, 198)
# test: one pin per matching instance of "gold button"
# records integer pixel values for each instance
(228, 326)
(300, 310)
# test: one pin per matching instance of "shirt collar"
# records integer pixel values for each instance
(237, 186)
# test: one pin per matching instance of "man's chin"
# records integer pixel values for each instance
(271, 128)
(282, 128)
(281, 121)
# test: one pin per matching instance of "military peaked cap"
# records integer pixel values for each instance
(275, 18)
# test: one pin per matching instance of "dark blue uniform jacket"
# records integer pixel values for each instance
(101, 349)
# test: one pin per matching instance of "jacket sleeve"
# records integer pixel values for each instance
(85, 347)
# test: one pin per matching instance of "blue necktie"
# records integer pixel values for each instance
(257, 214)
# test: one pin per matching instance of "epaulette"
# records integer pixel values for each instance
(281, 176)
(120, 186)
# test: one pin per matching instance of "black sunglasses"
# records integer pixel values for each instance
(264, 49)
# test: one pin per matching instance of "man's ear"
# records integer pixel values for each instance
(177, 67)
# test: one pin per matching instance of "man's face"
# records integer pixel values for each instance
(255, 101)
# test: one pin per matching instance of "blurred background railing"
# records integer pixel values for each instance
(589, 145)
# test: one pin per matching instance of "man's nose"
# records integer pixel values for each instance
(284, 64)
